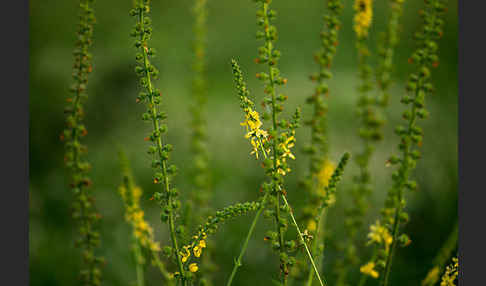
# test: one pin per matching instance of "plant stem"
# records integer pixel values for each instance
(162, 269)
(297, 226)
(303, 241)
(247, 239)
(159, 145)
(138, 263)
(320, 226)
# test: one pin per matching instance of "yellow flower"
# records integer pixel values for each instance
(432, 277)
(256, 135)
(154, 246)
(193, 267)
(369, 269)
(289, 143)
(311, 225)
(202, 243)
(363, 17)
(325, 174)
(380, 234)
(451, 273)
(197, 251)
(185, 254)
(252, 120)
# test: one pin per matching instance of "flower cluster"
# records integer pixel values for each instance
(130, 194)
(198, 241)
(256, 135)
(443, 255)
(380, 235)
(369, 269)
(363, 16)
(83, 206)
(252, 122)
(143, 233)
(451, 273)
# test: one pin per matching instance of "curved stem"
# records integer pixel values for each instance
(303, 241)
(159, 145)
(247, 239)
(320, 226)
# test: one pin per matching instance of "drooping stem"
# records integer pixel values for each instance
(151, 98)
(247, 239)
(309, 255)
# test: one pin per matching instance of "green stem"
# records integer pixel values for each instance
(247, 239)
(320, 226)
(138, 263)
(398, 210)
(296, 225)
(303, 241)
(159, 145)
(274, 140)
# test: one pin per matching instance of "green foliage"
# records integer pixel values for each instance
(193, 260)
(84, 210)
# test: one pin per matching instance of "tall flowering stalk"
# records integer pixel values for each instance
(370, 132)
(198, 206)
(200, 173)
(151, 97)
(372, 119)
(320, 167)
(385, 234)
(279, 142)
(261, 145)
(84, 210)
(386, 50)
(144, 245)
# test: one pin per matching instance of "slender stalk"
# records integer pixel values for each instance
(269, 49)
(303, 241)
(146, 70)
(297, 226)
(320, 226)
(138, 263)
(247, 239)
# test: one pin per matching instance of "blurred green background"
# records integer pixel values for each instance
(113, 119)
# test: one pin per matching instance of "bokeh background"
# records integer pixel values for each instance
(113, 119)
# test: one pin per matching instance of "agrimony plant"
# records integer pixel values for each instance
(167, 198)
(372, 119)
(411, 136)
(200, 173)
(370, 132)
(84, 210)
(201, 192)
(320, 167)
(144, 245)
